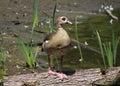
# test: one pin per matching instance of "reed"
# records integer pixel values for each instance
(109, 50)
(29, 56)
(76, 35)
(54, 13)
(115, 42)
(35, 9)
(35, 20)
(52, 20)
(101, 47)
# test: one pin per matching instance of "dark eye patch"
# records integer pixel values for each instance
(63, 19)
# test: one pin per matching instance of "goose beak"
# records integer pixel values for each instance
(69, 22)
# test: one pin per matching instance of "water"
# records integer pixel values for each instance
(87, 35)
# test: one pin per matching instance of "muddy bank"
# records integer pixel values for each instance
(17, 15)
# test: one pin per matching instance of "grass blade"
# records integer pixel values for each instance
(115, 43)
(54, 13)
(2, 59)
(35, 21)
(101, 48)
(28, 54)
(35, 9)
(108, 51)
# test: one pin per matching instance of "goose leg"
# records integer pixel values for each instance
(60, 74)
(49, 67)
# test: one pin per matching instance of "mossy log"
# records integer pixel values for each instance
(86, 77)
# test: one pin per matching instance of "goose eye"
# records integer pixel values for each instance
(63, 19)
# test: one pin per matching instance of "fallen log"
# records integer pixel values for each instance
(86, 77)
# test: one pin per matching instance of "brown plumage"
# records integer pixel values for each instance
(57, 43)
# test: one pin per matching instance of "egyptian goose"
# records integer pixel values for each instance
(56, 44)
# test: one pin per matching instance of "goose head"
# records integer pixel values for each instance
(62, 20)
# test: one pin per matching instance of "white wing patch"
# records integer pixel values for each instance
(46, 41)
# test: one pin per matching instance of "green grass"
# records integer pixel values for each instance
(2, 65)
(29, 56)
(2, 59)
(35, 20)
(2, 74)
(54, 14)
(101, 47)
(35, 9)
(115, 42)
(52, 21)
(109, 50)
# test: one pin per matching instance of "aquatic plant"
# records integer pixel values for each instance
(115, 42)
(76, 35)
(29, 56)
(101, 47)
(109, 50)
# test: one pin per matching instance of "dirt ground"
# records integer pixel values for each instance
(16, 17)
